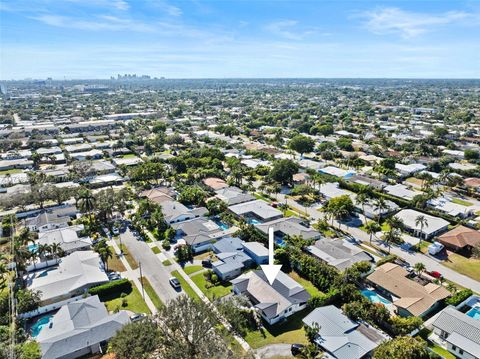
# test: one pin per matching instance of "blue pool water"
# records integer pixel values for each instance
(280, 243)
(474, 313)
(33, 248)
(40, 324)
(374, 297)
(223, 226)
(253, 221)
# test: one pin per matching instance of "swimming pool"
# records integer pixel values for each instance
(253, 221)
(223, 226)
(474, 313)
(374, 297)
(280, 243)
(41, 323)
(33, 247)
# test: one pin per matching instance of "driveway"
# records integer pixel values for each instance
(274, 350)
(152, 268)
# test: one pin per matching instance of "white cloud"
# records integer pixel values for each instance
(103, 22)
(288, 29)
(408, 24)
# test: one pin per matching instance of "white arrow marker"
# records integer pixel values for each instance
(271, 270)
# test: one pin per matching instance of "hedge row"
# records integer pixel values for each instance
(459, 297)
(121, 285)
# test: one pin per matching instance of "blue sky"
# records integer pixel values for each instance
(229, 38)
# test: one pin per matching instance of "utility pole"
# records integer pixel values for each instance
(11, 285)
(141, 279)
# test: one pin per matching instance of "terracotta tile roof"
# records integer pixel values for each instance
(460, 237)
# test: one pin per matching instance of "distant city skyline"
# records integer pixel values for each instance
(89, 39)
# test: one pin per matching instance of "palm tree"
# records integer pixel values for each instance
(393, 235)
(56, 250)
(362, 199)
(310, 351)
(419, 268)
(380, 205)
(86, 202)
(33, 257)
(43, 251)
(372, 228)
(105, 254)
(421, 221)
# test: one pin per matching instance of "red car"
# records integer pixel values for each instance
(435, 274)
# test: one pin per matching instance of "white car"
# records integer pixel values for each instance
(435, 248)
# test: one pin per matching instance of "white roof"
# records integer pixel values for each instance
(401, 191)
(409, 216)
(77, 270)
(335, 171)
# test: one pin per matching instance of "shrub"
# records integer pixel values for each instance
(166, 245)
(387, 259)
(122, 285)
(459, 297)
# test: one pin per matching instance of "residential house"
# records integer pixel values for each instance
(458, 332)
(338, 253)
(256, 211)
(446, 206)
(74, 275)
(433, 227)
(288, 226)
(460, 239)
(340, 337)
(233, 195)
(53, 218)
(337, 172)
(276, 302)
(67, 238)
(367, 181)
(257, 251)
(79, 329)
(401, 191)
(408, 296)
(408, 170)
(331, 190)
(175, 212)
(214, 183)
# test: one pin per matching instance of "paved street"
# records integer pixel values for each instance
(432, 264)
(155, 272)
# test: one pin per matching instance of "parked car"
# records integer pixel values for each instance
(115, 231)
(175, 283)
(435, 274)
(296, 349)
(435, 248)
(207, 263)
(137, 317)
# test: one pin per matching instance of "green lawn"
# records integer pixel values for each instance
(217, 291)
(309, 287)
(192, 269)
(135, 302)
(440, 351)
(11, 172)
(462, 202)
(156, 250)
(467, 266)
(290, 213)
(167, 262)
(126, 254)
(288, 332)
(151, 293)
(185, 286)
(115, 263)
(129, 155)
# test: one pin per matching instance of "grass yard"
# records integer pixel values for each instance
(290, 213)
(135, 302)
(185, 286)
(205, 255)
(262, 197)
(129, 155)
(167, 262)
(217, 291)
(462, 202)
(288, 332)
(151, 293)
(309, 287)
(126, 254)
(114, 263)
(11, 172)
(440, 351)
(192, 269)
(156, 250)
(467, 266)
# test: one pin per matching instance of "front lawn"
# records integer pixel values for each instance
(185, 286)
(192, 269)
(467, 266)
(217, 291)
(156, 250)
(126, 254)
(167, 262)
(151, 293)
(114, 263)
(289, 332)
(134, 301)
(440, 351)
(462, 202)
(309, 287)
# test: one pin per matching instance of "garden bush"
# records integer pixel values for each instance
(121, 285)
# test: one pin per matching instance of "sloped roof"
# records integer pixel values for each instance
(78, 325)
(460, 237)
(290, 226)
(414, 297)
